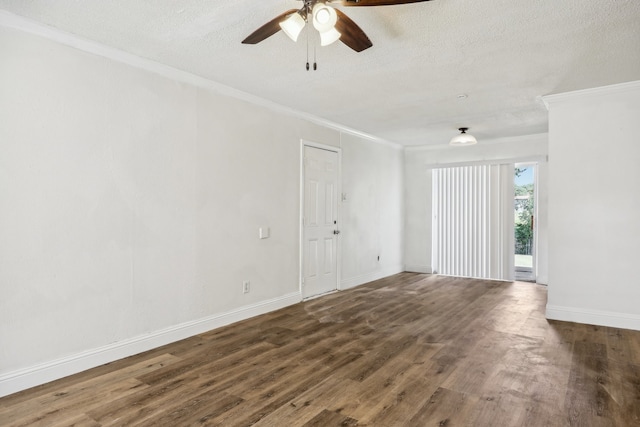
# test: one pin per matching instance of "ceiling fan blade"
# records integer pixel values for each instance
(268, 29)
(351, 34)
(374, 2)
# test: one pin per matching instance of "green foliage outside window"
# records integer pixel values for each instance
(523, 216)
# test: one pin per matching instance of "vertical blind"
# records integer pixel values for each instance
(473, 221)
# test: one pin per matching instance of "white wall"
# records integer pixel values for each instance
(542, 245)
(418, 215)
(372, 214)
(594, 206)
(130, 205)
(419, 162)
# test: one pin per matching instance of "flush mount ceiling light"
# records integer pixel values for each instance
(463, 139)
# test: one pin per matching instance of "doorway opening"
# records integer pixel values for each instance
(524, 221)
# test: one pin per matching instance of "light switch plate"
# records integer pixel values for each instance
(264, 232)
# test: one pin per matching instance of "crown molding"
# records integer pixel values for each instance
(591, 92)
(536, 137)
(501, 161)
(16, 22)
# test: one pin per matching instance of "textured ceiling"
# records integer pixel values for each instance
(502, 54)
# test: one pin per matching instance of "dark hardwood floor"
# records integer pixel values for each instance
(409, 350)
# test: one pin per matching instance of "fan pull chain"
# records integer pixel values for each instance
(315, 64)
(307, 50)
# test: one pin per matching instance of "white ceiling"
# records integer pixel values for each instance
(503, 54)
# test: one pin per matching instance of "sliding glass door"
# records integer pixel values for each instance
(524, 224)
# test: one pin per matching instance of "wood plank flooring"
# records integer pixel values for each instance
(408, 350)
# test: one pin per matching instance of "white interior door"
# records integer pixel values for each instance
(320, 222)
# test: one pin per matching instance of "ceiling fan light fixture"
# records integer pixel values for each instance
(293, 25)
(324, 17)
(329, 36)
(463, 138)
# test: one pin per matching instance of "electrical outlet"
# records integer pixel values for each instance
(246, 287)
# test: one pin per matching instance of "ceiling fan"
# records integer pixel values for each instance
(331, 23)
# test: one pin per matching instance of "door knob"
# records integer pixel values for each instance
(336, 231)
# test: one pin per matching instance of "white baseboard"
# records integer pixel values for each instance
(370, 277)
(32, 376)
(415, 268)
(593, 317)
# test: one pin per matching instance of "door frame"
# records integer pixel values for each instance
(306, 143)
